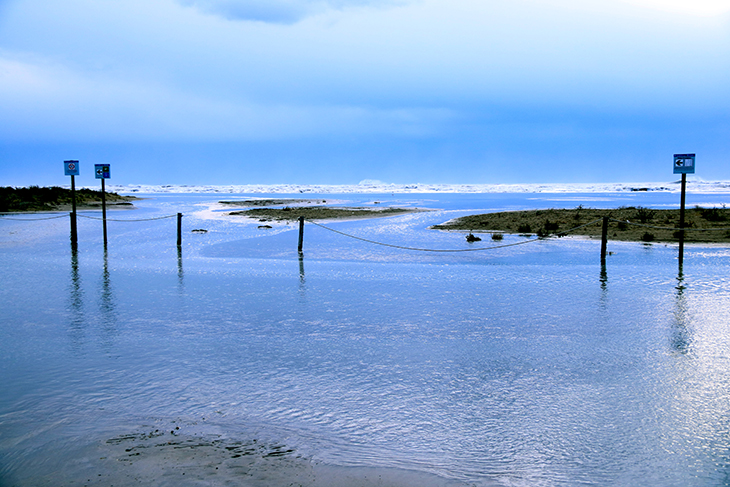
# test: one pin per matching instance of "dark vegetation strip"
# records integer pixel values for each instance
(35, 198)
(699, 223)
(270, 202)
(318, 213)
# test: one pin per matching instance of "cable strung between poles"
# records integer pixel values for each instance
(444, 250)
(138, 220)
(3, 217)
(686, 229)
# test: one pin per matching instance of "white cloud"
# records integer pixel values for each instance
(276, 11)
(702, 8)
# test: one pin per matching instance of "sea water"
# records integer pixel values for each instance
(523, 365)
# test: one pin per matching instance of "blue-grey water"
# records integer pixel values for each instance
(525, 365)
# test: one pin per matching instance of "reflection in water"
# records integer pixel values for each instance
(106, 303)
(180, 273)
(302, 279)
(76, 301)
(604, 286)
(681, 339)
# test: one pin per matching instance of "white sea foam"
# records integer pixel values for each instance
(694, 185)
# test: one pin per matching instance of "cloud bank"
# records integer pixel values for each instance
(277, 11)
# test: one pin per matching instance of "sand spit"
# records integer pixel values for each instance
(321, 213)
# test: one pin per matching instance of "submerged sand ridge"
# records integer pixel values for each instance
(172, 456)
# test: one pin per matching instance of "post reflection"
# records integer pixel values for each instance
(302, 278)
(76, 301)
(604, 286)
(681, 337)
(107, 304)
(180, 272)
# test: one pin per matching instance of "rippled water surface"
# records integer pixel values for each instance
(526, 365)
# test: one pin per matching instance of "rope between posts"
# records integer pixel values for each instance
(669, 228)
(580, 226)
(137, 220)
(444, 250)
(33, 219)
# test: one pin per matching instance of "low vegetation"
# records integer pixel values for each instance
(53, 198)
(704, 225)
(293, 213)
(271, 202)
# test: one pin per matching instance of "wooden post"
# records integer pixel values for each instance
(103, 210)
(681, 220)
(301, 233)
(179, 229)
(604, 240)
(74, 233)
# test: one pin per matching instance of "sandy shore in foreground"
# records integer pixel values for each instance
(172, 457)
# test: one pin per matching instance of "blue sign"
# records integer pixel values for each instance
(684, 163)
(71, 168)
(103, 171)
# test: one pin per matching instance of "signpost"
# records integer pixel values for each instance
(71, 168)
(103, 171)
(683, 164)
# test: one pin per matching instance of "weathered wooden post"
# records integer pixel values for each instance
(301, 233)
(103, 172)
(71, 168)
(683, 164)
(179, 229)
(604, 240)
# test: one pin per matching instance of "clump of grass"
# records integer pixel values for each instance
(497, 236)
(644, 215)
(647, 237)
(551, 226)
(711, 214)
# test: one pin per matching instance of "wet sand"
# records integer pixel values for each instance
(173, 457)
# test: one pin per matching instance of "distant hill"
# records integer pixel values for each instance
(53, 198)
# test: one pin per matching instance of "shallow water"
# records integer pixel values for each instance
(526, 365)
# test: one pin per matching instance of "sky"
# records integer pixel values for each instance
(340, 91)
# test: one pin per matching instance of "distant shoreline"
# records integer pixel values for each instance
(694, 185)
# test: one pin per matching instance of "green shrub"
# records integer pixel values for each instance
(551, 226)
(647, 237)
(644, 215)
(712, 214)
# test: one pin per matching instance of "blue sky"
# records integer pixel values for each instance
(337, 91)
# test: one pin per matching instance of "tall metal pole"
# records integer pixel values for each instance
(103, 209)
(681, 220)
(74, 234)
(301, 233)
